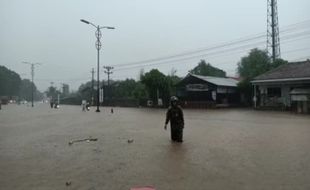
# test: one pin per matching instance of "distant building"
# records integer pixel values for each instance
(65, 89)
(206, 91)
(285, 87)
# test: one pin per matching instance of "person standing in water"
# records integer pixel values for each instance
(175, 116)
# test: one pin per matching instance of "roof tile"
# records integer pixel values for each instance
(286, 71)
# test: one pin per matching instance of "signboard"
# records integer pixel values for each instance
(197, 87)
(300, 98)
(225, 90)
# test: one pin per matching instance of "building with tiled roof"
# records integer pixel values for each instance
(287, 86)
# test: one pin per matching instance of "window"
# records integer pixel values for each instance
(274, 92)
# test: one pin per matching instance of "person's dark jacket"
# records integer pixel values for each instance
(175, 116)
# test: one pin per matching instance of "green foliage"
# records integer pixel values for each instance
(9, 82)
(153, 81)
(72, 99)
(256, 63)
(172, 81)
(25, 91)
(158, 85)
(278, 62)
(124, 89)
(128, 89)
(207, 70)
(85, 91)
(12, 85)
(139, 91)
(152, 84)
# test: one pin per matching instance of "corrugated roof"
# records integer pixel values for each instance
(218, 80)
(287, 71)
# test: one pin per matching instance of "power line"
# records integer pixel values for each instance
(188, 53)
(238, 41)
(212, 53)
(293, 28)
(297, 50)
(302, 58)
(225, 51)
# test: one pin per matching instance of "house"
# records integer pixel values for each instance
(207, 91)
(285, 87)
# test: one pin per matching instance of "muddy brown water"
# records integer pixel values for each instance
(223, 149)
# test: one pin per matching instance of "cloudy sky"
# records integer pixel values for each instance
(176, 33)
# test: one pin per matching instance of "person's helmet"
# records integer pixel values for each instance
(173, 99)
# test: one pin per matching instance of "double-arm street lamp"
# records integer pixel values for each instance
(98, 47)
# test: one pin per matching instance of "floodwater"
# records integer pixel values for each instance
(231, 149)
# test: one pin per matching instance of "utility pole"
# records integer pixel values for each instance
(32, 76)
(108, 72)
(50, 90)
(273, 37)
(92, 86)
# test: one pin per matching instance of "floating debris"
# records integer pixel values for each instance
(130, 141)
(82, 140)
(143, 188)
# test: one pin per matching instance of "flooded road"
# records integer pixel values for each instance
(232, 149)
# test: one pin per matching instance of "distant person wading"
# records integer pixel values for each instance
(175, 116)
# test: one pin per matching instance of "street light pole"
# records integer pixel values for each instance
(98, 47)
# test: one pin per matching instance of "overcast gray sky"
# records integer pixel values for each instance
(49, 32)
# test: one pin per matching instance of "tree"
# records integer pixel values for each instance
(278, 62)
(256, 63)
(207, 70)
(9, 82)
(25, 91)
(85, 91)
(141, 74)
(139, 91)
(157, 85)
(124, 89)
(129, 88)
